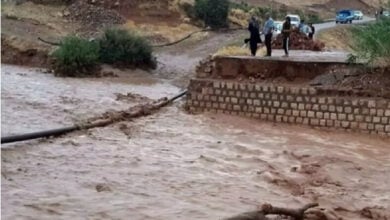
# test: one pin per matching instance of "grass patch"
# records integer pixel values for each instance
(371, 42)
(238, 51)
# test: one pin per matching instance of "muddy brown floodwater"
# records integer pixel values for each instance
(172, 165)
(32, 100)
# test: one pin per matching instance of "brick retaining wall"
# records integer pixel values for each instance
(293, 105)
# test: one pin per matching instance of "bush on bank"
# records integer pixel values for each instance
(76, 57)
(79, 57)
(213, 13)
(119, 46)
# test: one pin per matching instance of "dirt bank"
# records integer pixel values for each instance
(338, 38)
(28, 56)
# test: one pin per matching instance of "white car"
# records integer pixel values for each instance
(295, 20)
(358, 15)
(278, 28)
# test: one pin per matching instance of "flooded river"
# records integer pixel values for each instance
(32, 100)
(172, 165)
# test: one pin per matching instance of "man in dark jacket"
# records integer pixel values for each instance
(286, 30)
(254, 35)
(312, 31)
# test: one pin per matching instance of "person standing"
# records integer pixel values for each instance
(254, 35)
(268, 31)
(301, 27)
(312, 31)
(286, 30)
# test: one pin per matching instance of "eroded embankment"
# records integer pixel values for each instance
(28, 56)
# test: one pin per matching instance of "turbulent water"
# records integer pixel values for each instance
(172, 165)
(34, 101)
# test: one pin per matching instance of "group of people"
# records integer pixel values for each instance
(254, 30)
(309, 30)
(268, 29)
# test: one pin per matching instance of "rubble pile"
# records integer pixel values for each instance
(205, 67)
(299, 41)
(93, 16)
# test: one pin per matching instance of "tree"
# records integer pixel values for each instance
(214, 13)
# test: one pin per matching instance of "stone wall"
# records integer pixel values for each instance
(295, 105)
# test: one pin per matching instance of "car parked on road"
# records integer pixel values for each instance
(278, 28)
(344, 16)
(295, 20)
(358, 15)
(386, 13)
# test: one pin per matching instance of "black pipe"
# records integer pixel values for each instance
(177, 96)
(61, 131)
(39, 134)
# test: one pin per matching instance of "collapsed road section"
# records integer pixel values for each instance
(309, 94)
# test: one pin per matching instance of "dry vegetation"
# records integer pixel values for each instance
(337, 38)
(161, 33)
(238, 51)
(239, 17)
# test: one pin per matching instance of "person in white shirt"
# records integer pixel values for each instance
(268, 31)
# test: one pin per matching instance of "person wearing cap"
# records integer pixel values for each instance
(267, 31)
(286, 30)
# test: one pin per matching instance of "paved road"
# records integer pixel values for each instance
(327, 25)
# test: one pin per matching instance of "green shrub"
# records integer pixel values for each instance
(371, 42)
(213, 13)
(76, 57)
(119, 46)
